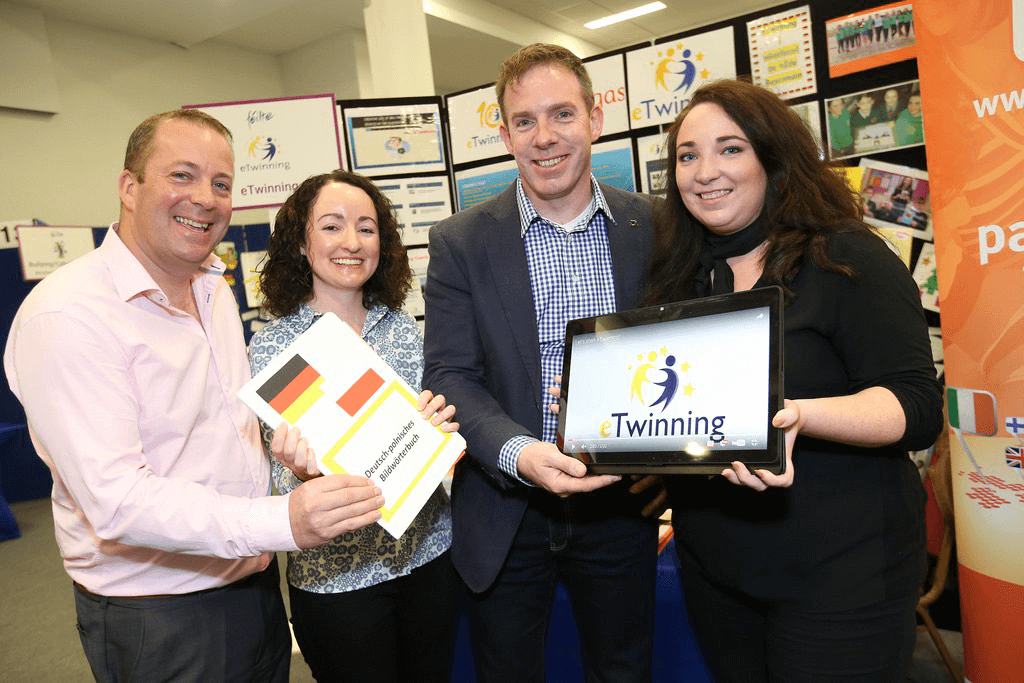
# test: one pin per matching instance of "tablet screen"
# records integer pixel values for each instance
(692, 384)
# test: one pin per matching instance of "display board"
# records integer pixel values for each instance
(278, 143)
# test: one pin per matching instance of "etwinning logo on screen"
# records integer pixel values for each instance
(658, 382)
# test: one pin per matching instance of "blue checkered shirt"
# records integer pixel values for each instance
(571, 277)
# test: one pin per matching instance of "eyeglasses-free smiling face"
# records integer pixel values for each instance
(720, 179)
(342, 240)
(173, 220)
(549, 131)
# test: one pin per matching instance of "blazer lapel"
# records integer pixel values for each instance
(511, 275)
(625, 240)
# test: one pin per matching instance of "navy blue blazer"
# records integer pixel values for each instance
(482, 352)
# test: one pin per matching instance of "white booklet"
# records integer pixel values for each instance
(358, 415)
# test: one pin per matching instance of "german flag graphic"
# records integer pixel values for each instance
(293, 389)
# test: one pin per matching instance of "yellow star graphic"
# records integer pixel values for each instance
(639, 356)
(704, 73)
(700, 56)
(688, 389)
(664, 350)
(684, 367)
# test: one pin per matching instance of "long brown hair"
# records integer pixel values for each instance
(805, 199)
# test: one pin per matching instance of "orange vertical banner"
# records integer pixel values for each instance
(971, 65)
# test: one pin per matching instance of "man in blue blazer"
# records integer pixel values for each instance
(504, 278)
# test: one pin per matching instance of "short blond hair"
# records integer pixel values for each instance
(524, 59)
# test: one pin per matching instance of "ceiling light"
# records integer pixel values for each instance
(625, 16)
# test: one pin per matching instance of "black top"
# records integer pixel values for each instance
(850, 531)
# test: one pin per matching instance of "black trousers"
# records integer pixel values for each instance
(607, 563)
(235, 633)
(399, 631)
(744, 640)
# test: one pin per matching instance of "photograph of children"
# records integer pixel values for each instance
(875, 120)
(871, 38)
(896, 197)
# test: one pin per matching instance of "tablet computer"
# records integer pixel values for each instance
(683, 388)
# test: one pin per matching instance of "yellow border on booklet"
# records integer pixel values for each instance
(329, 459)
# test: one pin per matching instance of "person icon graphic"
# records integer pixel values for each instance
(270, 149)
(669, 385)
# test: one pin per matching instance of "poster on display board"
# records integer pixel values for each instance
(810, 114)
(44, 249)
(781, 54)
(419, 204)
(653, 164)
(970, 57)
(612, 164)
(896, 196)
(875, 120)
(484, 182)
(608, 76)
(871, 38)
(278, 143)
(662, 77)
(9, 232)
(473, 122)
(390, 139)
(252, 264)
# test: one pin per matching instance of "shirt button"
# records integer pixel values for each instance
(575, 279)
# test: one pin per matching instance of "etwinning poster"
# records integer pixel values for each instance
(278, 143)
(474, 118)
(608, 76)
(662, 77)
(971, 67)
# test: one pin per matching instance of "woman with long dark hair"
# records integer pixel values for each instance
(815, 577)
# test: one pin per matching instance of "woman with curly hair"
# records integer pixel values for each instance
(814, 578)
(364, 606)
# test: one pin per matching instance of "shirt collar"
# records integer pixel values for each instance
(306, 316)
(528, 215)
(130, 277)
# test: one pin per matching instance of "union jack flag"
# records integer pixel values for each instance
(1014, 456)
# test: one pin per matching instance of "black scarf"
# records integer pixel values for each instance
(716, 249)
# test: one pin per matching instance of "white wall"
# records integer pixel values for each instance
(62, 168)
(337, 64)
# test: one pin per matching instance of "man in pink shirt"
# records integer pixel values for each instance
(128, 361)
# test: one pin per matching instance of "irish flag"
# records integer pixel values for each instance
(972, 411)
(293, 389)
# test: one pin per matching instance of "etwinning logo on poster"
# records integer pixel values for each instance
(657, 381)
(663, 77)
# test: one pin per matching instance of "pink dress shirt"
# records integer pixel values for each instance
(161, 485)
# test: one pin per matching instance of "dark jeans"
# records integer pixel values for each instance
(607, 564)
(401, 630)
(744, 640)
(235, 633)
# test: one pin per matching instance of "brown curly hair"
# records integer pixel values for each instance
(805, 201)
(287, 280)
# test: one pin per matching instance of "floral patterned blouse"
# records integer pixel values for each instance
(367, 556)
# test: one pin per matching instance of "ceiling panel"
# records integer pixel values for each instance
(461, 57)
